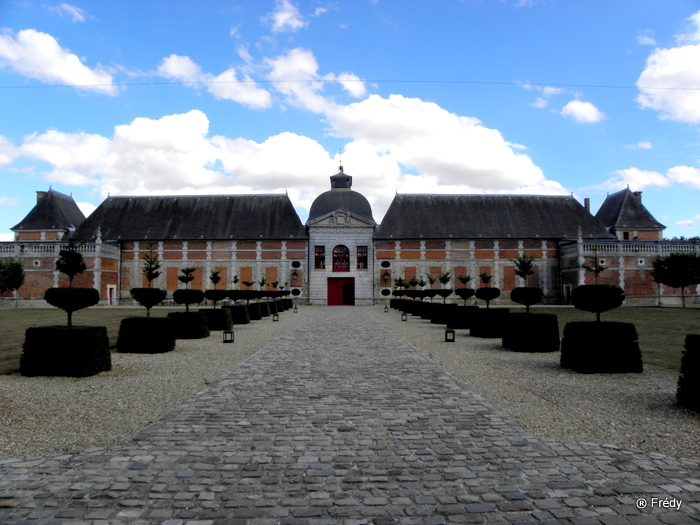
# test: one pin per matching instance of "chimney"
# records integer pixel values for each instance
(40, 195)
(638, 194)
(587, 204)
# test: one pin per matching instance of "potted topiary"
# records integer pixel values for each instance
(688, 392)
(239, 312)
(218, 318)
(254, 311)
(595, 346)
(75, 351)
(488, 323)
(147, 335)
(189, 325)
(440, 312)
(530, 332)
(461, 317)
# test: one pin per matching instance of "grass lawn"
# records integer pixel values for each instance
(661, 331)
(15, 321)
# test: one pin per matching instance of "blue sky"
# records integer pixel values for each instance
(470, 96)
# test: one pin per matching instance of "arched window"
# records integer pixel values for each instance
(341, 259)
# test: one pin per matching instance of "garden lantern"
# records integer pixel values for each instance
(296, 309)
(386, 308)
(404, 316)
(275, 317)
(450, 335)
(228, 336)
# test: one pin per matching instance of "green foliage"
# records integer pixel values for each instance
(11, 275)
(464, 293)
(72, 299)
(431, 280)
(597, 298)
(78, 351)
(445, 278)
(524, 267)
(215, 295)
(188, 297)
(413, 282)
(143, 335)
(186, 276)
(688, 393)
(235, 280)
(399, 283)
(527, 295)
(148, 297)
(464, 279)
(70, 261)
(218, 318)
(189, 325)
(489, 323)
(239, 313)
(485, 278)
(151, 265)
(215, 278)
(594, 347)
(487, 294)
(262, 282)
(596, 268)
(677, 270)
(532, 333)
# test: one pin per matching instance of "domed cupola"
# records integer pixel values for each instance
(340, 197)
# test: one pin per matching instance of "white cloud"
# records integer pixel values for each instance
(422, 137)
(7, 237)
(644, 145)
(582, 112)
(670, 80)
(646, 38)
(86, 207)
(75, 13)
(7, 151)
(689, 223)
(540, 103)
(685, 175)
(285, 17)
(38, 55)
(636, 179)
(547, 92)
(8, 201)
(226, 86)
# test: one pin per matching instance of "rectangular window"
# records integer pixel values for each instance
(362, 257)
(320, 257)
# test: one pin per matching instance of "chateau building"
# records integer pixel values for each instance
(341, 255)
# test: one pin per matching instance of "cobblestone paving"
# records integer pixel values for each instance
(340, 421)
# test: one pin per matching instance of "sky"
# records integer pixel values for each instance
(550, 97)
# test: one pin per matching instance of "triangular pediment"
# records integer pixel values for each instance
(340, 219)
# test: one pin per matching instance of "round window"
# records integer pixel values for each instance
(296, 292)
(296, 264)
(386, 292)
(386, 264)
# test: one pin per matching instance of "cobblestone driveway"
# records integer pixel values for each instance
(340, 421)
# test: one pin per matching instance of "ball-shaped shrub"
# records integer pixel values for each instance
(72, 299)
(597, 298)
(527, 295)
(188, 297)
(148, 297)
(487, 294)
(215, 295)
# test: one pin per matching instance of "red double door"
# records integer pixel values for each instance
(341, 290)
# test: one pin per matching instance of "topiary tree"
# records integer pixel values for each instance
(187, 296)
(215, 295)
(487, 294)
(524, 267)
(597, 298)
(71, 299)
(149, 297)
(11, 276)
(527, 295)
(677, 270)
(596, 268)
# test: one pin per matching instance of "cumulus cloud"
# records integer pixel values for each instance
(75, 13)
(582, 112)
(670, 80)
(285, 18)
(225, 86)
(640, 179)
(423, 137)
(38, 55)
(685, 175)
(646, 38)
(7, 151)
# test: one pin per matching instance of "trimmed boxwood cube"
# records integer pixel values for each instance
(490, 322)
(440, 313)
(75, 351)
(218, 318)
(239, 313)
(532, 333)
(688, 394)
(146, 335)
(600, 347)
(254, 311)
(189, 325)
(461, 317)
(272, 305)
(264, 309)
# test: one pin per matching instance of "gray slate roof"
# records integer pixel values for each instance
(624, 209)
(488, 217)
(206, 217)
(340, 199)
(54, 211)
